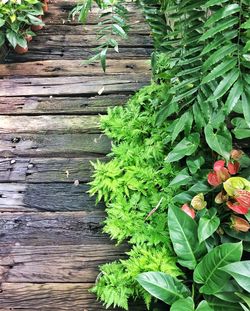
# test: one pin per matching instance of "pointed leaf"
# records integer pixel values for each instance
(204, 306)
(208, 273)
(245, 98)
(233, 96)
(240, 271)
(208, 224)
(186, 304)
(222, 13)
(220, 70)
(163, 286)
(244, 297)
(221, 305)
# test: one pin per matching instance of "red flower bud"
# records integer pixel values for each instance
(213, 179)
(189, 211)
(239, 224)
(243, 198)
(237, 208)
(223, 174)
(218, 165)
(233, 168)
(236, 154)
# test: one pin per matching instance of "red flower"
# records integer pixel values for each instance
(233, 168)
(189, 211)
(239, 224)
(243, 198)
(213, 179)
(223, 174)
(237, 208)
(218, 165)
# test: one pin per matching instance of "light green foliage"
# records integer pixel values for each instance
(117, 282)
(135, 187)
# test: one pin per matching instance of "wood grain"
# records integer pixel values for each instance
(71, 85)
(49, 228)
(71, 68)
(38, 170)
(43, 197)
(53, 145)
(67, 263)
(60, 105)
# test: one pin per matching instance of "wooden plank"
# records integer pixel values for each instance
(72, 85)
(49, 228)
(58, 68)
(86, 41)
(68, 52)
(52, 297)
(38, 170)
(137, 27)
(53, 145)
(67, 263)
(49, 124)
(60, 105)
(44, 197)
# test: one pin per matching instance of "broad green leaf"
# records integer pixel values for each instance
(2, 22)
(181, 179)
(185, 304)
(222, 13)
(204, 306)
(180, 125)
(221, 305)
(219, 141)
(12, 37)
(195, 163)
(233, 96)
(225, 84)
(183, 234)
(245, 98)
(183, 197)
(208, 224)
(208, 270)
(228, 23)
(186, 146)
(219, 54)
(219, 41)
(213, 2)
(240, 271)
(220, 70)
(246, 25)
(163, 286)
(244, 297)
(241, 133)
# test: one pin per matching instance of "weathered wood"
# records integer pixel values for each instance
(68, 52)
(52, 297)
(55, 68)
(137, 27)
(44, 197)
(72, 85)
(87, 41)
(46, 228)
(49, 124)
(53, 145)
(37, 170)
(67, 263)
(60, 105)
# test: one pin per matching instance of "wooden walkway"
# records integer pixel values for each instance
(50, 234)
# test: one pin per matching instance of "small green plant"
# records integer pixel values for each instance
(16, 17)
(134, 186)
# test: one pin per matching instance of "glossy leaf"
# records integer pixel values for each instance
(244, 297)
(208, 224)
(163, 286)
(208, 270)
(183, 234)
(204, 306)
(240, 271)
(186, 304)
(222, 305)
(219, 141)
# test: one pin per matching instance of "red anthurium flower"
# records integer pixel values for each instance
(218, 165)
(213, 179)
(237, 208)
(243, 198)
(223, 174)
(233, 168)
(239, 224)
(189, 211)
